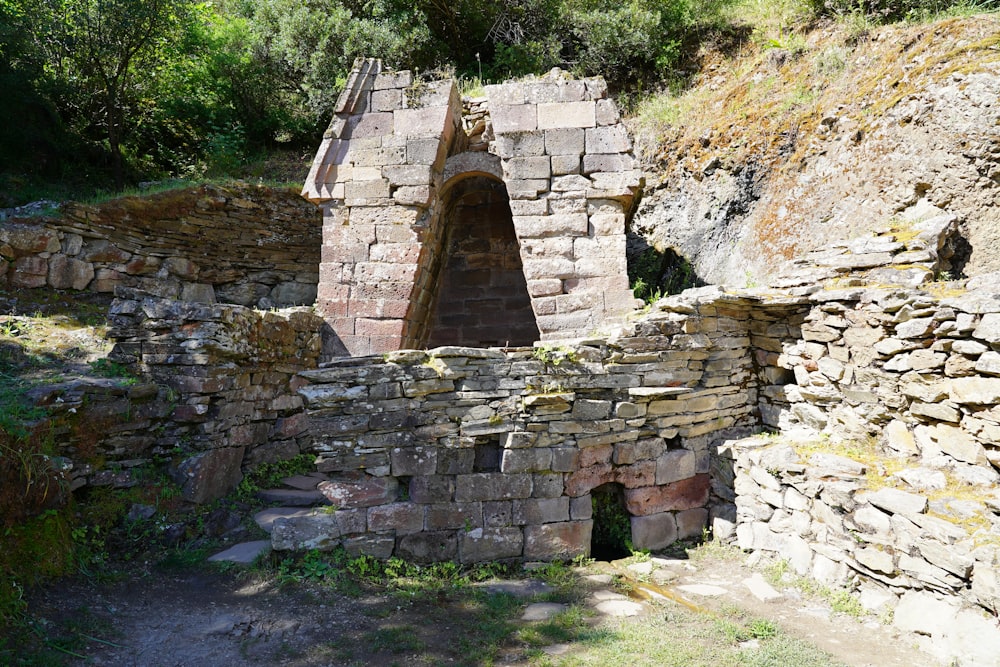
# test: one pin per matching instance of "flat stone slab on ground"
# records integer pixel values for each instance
(619, 608)
(542, 611)
(761, 590)
(600, 596)
(556, 649)
(265, 518)
(704, 590)
(521, 589)
(645, 567)
(245, 552)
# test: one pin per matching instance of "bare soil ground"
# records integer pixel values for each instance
(197, 616)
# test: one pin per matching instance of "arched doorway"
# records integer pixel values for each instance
(482, 297)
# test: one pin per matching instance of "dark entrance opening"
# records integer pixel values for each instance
(482, 298)
(612, 536)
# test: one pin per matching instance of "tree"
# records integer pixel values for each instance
(107, 49)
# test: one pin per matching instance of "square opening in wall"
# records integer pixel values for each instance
(487, 457)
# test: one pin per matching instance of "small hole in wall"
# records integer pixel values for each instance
(487, 458)
(612, 536)
(403, 490)
(674, 442)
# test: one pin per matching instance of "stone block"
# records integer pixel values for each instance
(432, 489)
(642, 473)
(423, 122)
(376, 545)
(557, 541)
(581, 507)
(455, 461)
(563, 165)
(607, 113)
(638, 450)
(30, 272)
(428, 547)
(552, 115)
(691, 523)
(316, 531)
(490, 544)
(353, 490)
(369, 125)
(524, 168)
(411, 461)
(564, 141)
(585, 480)
(408, 174)
(520, 144)
(546, 485)
(589, 410)
(535, 459)
(607, 163)
(453, 516)
(210, 475)
(387, 100)
(675, 465)
(608, 139)
(388, 80)
(565, 459)
(682, 495)
(69, 273)
(974, 390)
(403, 518)
(492, 486)
(654, 532)
(540, 510)
(513, 118)
(374, 189)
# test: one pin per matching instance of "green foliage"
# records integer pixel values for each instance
(554, 355)
(269, 475)
(612, 525)
(884, 11)
(112, 369)
(654, 274)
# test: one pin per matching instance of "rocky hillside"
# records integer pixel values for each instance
(789, 144)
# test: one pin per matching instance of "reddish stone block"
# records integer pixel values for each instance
(586, 479)
(372, 327)
(683, 495)
(404, 518)
(359, 490)
(490, 544)
(563, 541)
(636, 475)
(428, 547)
(595, 455)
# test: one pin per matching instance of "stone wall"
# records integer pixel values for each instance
(474, 455)
(385, 176)
(231, 377)
(239, 244)
(881, 474)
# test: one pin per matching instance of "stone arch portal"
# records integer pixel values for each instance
(413, 191)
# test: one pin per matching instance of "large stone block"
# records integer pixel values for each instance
(411, 461)
(566, 114)
(490, 544)
(492, 486)
(540, 510)
(608, 139)
(513, 118)
(432, 489)
(404, 518)
(653, 532)
(359, 490)
(558, 541)
(453, 516)
(681, 495)
(317, 531)
(210, 475)
(564, 141)
(69, 273)
(428, 546)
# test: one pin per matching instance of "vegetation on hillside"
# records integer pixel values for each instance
(104, 93)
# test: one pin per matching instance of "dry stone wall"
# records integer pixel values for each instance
(240, 244)
(231, 379)
(471, 454)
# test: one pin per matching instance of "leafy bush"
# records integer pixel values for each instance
(894, 10)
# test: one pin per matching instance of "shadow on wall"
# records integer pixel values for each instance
(653, 274)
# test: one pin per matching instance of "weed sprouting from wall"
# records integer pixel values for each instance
(654, 274)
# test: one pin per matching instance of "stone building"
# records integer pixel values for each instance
(500, 223)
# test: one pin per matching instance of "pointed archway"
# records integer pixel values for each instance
(482, 297)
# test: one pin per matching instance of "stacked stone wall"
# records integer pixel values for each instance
(230, 378)
(476, 455)
(240, 244)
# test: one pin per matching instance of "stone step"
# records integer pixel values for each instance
(304, 482)
(265, 518)
(293, 497)
(245, 552)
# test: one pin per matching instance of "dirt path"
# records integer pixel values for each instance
(200, 617)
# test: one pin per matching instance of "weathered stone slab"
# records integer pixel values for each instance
(681, 495)
(557, 541)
